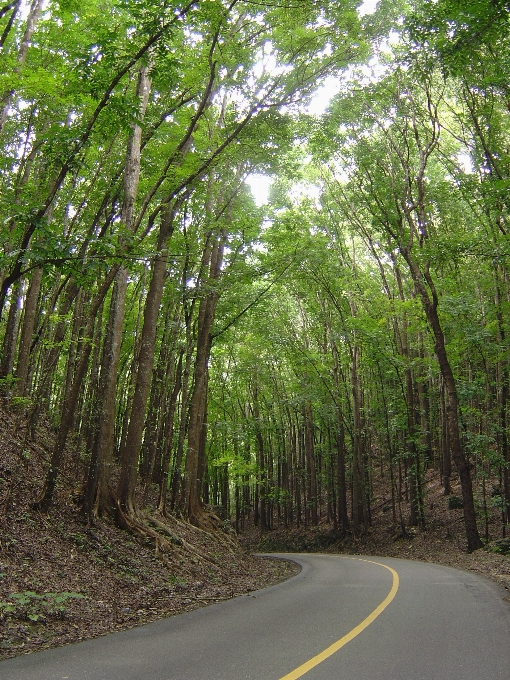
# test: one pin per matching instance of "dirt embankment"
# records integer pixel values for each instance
(62, 581)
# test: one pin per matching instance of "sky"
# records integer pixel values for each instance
(259, 183)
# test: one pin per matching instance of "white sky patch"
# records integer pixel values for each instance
(302, 190)
(466, 163)
(367, 7)
(323, 95)
(393, 39)
(259, 185)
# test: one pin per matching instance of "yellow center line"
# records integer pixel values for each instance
(316, 660)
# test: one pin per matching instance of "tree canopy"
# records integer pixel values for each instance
(267, 359)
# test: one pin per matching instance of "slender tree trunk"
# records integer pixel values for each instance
(503, 405)
(73, 350)
(32, 19)
(261, 489)
(424, 401)
(11, 333)
(71, 400)
(128, 388)
(452, 406)
(310, 463)
(179, 454)
(358, 518)
(27, 332)
(129, 464)
(92, 396)
(157, 406)
(446, 459)
(97, 484)
(416, 517)
(202, 477)
(169, 431)
(97, 492)
(341, 481)
(190, 502)
(14, 8)
(343, 515)
(50, 359)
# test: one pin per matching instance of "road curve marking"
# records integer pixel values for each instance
(316, 660)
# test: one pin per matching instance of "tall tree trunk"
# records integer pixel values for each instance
(261, 488)
(27, 332)
(11, 332)
(129, 463)
(71, 400)
(32, 19)
(159, 388)
(416, 517)
(97, 492)
(424, 402)
(446, 457)
(169, 431)
(51, 357)
(503, 403)
(358, 477)
(452, 406)
(183, 421)
(190, 503)
(310, 463)
(341, 482)
(73, 349)
(343, 515)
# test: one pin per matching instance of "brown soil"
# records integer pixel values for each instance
(62, 581)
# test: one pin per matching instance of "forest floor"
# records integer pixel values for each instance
(62, 581)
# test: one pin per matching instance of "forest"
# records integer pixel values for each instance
(181, 347)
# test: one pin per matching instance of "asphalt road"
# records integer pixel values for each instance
(341, 618)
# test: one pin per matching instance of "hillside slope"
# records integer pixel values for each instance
(62, 581)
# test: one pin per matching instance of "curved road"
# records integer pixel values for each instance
(341, 618)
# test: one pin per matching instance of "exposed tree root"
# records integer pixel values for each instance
(162, 526)
(166, 542)
(136, 526)
(209, 523)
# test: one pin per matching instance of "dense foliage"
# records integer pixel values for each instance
(266, 359)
